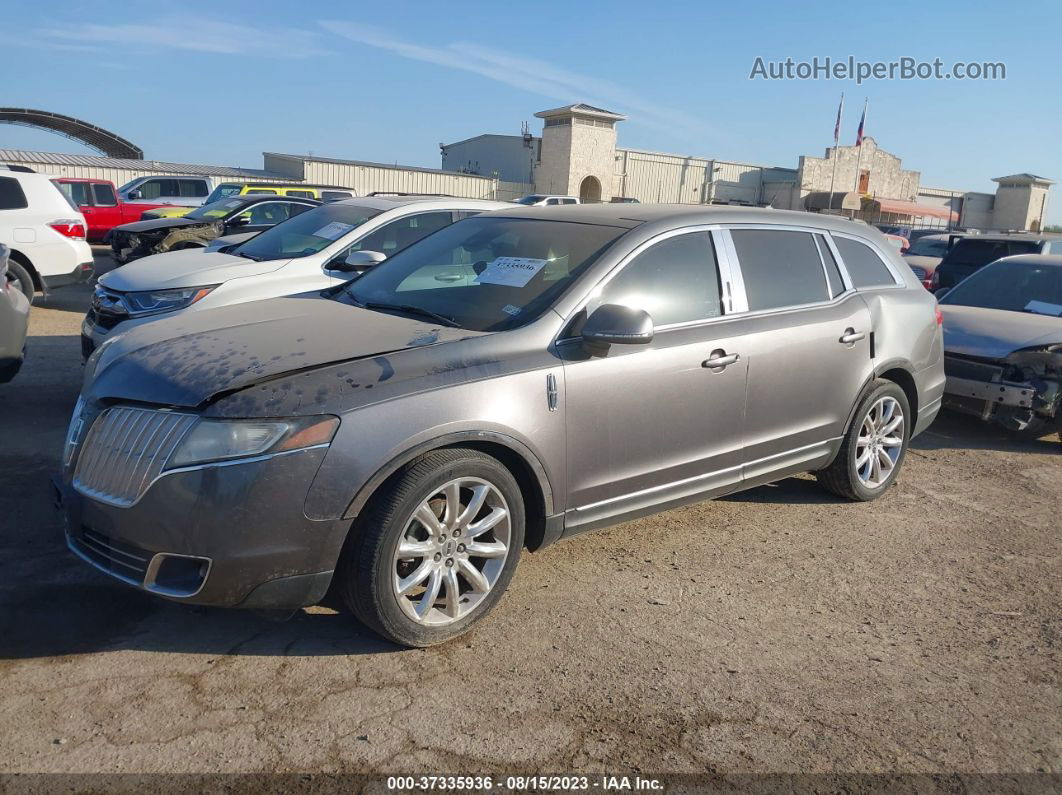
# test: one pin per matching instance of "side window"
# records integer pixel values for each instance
(302, 194)
(833, 273)
(104, 195)
(154, 188)
(11, 195)
(675, 281)
(299, 209)
(269, 213)
(192, 187)
(568, 201)
(393, 237)
(334, 194)
(262, 190)
(551, 202)
(78, 193)
(780, 268)
(864, 266)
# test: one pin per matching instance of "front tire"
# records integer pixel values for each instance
(874, 447)
(435, 549)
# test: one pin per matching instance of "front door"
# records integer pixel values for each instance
(654, 425)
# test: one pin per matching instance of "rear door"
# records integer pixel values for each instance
(807, 343)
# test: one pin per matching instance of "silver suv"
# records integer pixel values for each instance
(512, 379)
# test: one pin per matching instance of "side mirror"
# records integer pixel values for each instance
(135, 194)
(612, 324)
(940, 292)
(238, 221)
(359, 261)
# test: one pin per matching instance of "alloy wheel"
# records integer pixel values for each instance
(451, 551)
(880, 442)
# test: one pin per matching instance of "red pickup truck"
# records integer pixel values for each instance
(101, 205)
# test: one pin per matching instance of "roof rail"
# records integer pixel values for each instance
(403, 193)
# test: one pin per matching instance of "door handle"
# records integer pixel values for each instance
(719, 359)
(851, 336)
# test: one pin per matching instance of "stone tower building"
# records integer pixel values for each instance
(578, 152)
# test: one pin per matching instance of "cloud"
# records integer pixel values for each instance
(188, 32)
(533, 75)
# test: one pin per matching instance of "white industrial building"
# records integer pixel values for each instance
(577, 153)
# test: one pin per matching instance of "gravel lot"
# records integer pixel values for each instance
(777, 630)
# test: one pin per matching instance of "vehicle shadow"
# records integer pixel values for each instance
(75, 298)
(802, 490)
(953, 431)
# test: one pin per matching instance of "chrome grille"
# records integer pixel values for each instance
(125, 450)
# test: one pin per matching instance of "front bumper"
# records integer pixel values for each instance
(82, 273)
(232, 535)
(979, 388)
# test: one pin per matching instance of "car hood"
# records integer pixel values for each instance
(158, 225)
(191, 359)
(995, 333)
(921, 261)
(188, 267)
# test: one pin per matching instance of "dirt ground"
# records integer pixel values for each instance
(776, 630)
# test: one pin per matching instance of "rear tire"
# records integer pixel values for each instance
(874, 447)
(21, 277)
(440, 509)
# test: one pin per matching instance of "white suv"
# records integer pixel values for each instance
(546, 200)
(44, 230)
(320, 248)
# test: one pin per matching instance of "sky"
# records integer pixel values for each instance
(220, 83)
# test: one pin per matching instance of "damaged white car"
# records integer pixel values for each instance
(1003, 344)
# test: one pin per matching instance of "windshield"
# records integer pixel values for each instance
(215, 210)
(982, 252)
(928, 248)
(1013, 286)
(530, 200)
(222, 191)
(483, 273)
(307, 233)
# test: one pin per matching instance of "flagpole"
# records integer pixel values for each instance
(836, 140)
(859, 155)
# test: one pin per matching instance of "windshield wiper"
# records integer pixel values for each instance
(409, 309)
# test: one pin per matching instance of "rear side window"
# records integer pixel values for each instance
(11, 194)
(780, 268)
(833, 273)
(262, 190)
(675, 281)
(104, 195)
(303, 194)
(334, 194)
(193, 187)
(864, 266)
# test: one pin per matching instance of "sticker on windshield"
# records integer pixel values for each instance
(511, 271)
(1044, 308)
(333, 231)
(509, 309)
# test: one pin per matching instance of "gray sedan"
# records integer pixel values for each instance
(512, 379)
(1003, 344)
(14, 320)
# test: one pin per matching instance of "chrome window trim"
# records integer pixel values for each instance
(721, 269)
(898, 280)
(846, 277)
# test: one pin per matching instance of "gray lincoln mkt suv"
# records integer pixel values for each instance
(514, 378)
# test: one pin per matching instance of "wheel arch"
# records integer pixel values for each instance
(24, 261)
(525, 466)
(900, 373)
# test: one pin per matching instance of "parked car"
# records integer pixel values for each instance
(544, 200)
(910, 233)
(926, 253)
(317, 249)
(511, 379)
(203, 224)
(1003, 344)
(14, 321)
(44, 230)
(623, 200)
(226, 189)
(101, 205)
(968, 255)
(190, 191)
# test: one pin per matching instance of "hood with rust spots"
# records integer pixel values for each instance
(195, 358)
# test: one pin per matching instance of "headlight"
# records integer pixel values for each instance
(223, 440)
(73, 432)
(150, 303)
